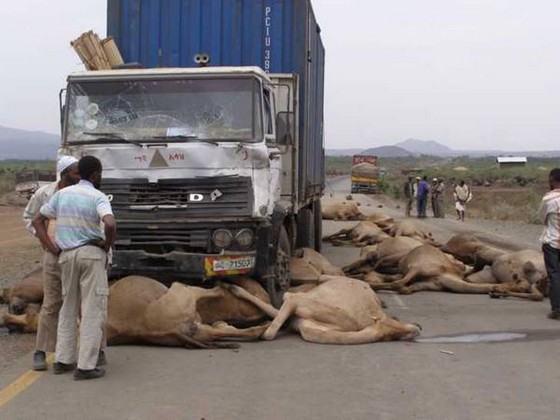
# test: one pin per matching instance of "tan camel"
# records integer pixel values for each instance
(340, 310)
(408, 228)
(523, 268)
(468, 249)
(336, 210)
(310, 266)
(384, 257)
(362, 234)
(28, 289)
(428, 268)
(144, 311)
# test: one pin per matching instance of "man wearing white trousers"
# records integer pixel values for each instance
(67, 169)
(82, 247)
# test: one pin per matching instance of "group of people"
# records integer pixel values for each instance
(419, 191)
(74, 222)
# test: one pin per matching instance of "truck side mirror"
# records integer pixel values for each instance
(285, 128)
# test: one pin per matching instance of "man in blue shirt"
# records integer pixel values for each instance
(422, 197)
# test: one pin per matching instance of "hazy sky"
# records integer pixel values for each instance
(467, 73)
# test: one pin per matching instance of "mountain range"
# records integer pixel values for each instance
(27, 145)
(415, 147)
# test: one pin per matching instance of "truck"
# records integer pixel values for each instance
(364, 175)
(210, 136)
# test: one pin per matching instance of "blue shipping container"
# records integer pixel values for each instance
(280, 36)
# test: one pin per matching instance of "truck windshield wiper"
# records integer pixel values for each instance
(111, 136)
(185, 137)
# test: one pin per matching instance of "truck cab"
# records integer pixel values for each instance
(198, 165)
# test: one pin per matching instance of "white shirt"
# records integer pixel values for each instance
(550, 216)
(40, 197)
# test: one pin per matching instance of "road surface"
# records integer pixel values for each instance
(290, 379)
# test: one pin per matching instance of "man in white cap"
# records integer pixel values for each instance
(67, 170)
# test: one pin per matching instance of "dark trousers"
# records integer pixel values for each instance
(552, 263)
(421, 206)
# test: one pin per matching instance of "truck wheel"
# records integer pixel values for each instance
(318, 225)
(305, 229)
(280, 282)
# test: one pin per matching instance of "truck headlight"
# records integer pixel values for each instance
(222, 238)
(245, 238)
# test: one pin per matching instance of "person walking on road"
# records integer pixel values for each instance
(438, 190)
(82, 247)
(550, 239)
(462, 195)
(422, 197)
(67, 170)
(408, 190)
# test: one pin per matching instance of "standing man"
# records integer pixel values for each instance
(439, 199)
(408, 190)
(83, 246)
(422, 197)
(433, 197)
(463, 195)
(550, 239)
(67, 170)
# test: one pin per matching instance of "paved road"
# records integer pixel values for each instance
(291, 379)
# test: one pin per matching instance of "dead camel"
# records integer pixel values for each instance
(28, 289)
(340, 310)
(362, 234)
(144, 311)
(341, 211)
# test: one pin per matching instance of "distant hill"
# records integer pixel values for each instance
(426, 147)
(387, 152)
(27, 145)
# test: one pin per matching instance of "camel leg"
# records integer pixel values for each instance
(408, 278)
(356, 265)
(222, 330)
(287, 309)
(390, 261)
(241, 293)
(458, 285)
(340, 234)
(167, 339)
(422, 286)
(534, 294)
(315, 332)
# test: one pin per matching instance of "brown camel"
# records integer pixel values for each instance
(28, 289)
(468, 249)
(362, 234)
(336, 210)
(340, 310)
(144, 311)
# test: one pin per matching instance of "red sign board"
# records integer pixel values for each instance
(364, 158)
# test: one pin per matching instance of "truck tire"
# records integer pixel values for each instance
(318, 225)
(280, 282)
(305, 229)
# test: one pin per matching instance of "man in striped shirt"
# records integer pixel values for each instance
(550, 239)
(82, 248)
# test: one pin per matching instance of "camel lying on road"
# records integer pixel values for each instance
(384, 257)
(468, 249)
(341, 211)
(28, 289)
(144, 311)
(310, 266)
(428, 268)
(340, 310)
(524, 268)
(382, 220)
(362, 234)
(408, 228)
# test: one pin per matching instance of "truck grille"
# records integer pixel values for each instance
(197, 197)
(159, 238)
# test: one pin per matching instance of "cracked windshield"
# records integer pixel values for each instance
(185, 109)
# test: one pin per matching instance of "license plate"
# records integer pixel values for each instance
(229, 265)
